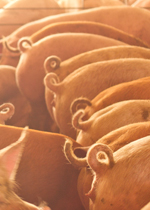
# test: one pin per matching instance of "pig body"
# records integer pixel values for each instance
(119, 181)
(9, 161)
(125, 134)
(30, 72)
(86, 27)
(116, 139)
(127, 14)
(138, 89)
(44, 167)
(108, 119)
(98, 76)
(106, 15)
(63, 68)
(10, 55)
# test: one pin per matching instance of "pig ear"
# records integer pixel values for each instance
(11, 155)
(100, 158)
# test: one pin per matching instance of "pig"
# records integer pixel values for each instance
(116, 139)
(125, 134)
(94, 15)
(30, 72)
(106, 15)
(43, 173)
(33, 91)
(14, 18)
(108, 119)
(82, 27)
(11, 55)
(138, 89)
(87, 27)
(9, 161)
(119, 181)
(102, 74)
(63, 68)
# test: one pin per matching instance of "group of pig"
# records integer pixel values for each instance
(75, 105)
